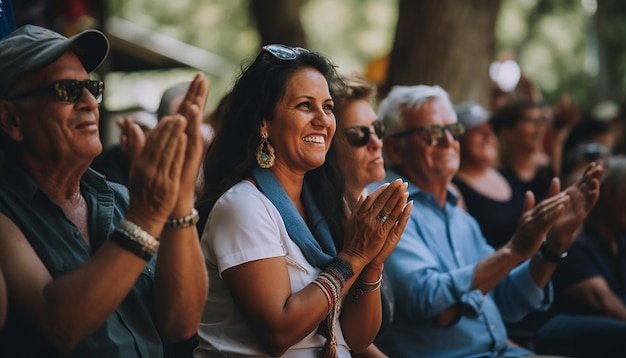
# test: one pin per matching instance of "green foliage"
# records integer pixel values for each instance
(568, 46)
(557, 42)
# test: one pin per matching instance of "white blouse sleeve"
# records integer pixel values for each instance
(243, 226)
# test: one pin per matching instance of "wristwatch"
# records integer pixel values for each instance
(550, 256)
(184, 222)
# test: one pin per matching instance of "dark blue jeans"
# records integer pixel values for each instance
(582, 336)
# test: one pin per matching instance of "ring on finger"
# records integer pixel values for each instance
(382, 216)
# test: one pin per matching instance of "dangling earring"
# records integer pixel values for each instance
(265, 153)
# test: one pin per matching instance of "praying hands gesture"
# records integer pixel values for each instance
(376, 224)
(163, 173)
(373, 230)
(165, 164)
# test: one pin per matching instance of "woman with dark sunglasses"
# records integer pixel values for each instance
(289, 274)
(359, 151)
(360, 142)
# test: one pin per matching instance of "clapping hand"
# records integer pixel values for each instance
(377, 222)
(537, 220)
(583, 195)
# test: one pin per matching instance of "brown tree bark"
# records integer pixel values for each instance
(449, 43)
(278, 21)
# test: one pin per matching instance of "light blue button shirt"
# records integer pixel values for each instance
(432, 268)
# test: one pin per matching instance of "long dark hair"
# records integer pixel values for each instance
(231, 155)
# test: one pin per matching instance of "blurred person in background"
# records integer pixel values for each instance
(591, 140)
(359, 152)
(589, 311)
(487, 194)
(521, 126)
(114, 162)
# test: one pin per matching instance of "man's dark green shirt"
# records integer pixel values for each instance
(130, 331)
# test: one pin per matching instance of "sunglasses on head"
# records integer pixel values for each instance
(281, 52)
(433, 134)
(67, 90)
(359, 136)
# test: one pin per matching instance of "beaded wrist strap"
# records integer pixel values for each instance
(184, 222)
(133, 238)
(333, 279)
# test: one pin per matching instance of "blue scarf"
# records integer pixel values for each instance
(318, 248)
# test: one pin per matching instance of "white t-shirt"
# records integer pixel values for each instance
(245, 226)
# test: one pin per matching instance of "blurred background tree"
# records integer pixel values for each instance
(445, 43)
(573, 46)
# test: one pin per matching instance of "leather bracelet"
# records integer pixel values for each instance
(550, 256)
(129, 244)
(184, 222)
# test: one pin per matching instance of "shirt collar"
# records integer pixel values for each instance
(415, 191)
(27, 188)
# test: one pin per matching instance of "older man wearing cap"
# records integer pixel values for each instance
(487, 194)
(78, 252)
(452, 290)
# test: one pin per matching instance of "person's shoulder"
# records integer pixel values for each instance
(241, 199)
(244, 188)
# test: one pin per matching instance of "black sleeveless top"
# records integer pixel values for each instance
(539, 185)
(497, 219)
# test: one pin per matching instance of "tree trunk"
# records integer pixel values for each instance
(278, 21)
(447, 43)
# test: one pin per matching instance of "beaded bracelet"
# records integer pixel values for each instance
(333, 279)
(134, 239)
(330, 291)
(136, 233)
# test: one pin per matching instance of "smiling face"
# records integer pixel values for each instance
(303, 123)
(424, 164)
(363, 165)
(58, 130)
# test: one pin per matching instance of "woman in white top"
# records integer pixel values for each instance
(282, 257)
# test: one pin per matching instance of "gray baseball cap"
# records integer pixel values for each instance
(471, 114)
(31, 48)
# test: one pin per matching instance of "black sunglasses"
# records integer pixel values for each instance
(359, 136)
(433, 134)
(67, 90)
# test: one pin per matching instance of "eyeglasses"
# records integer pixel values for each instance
(281, 52)
(359, 136)
(67, 90)
(433, 134)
